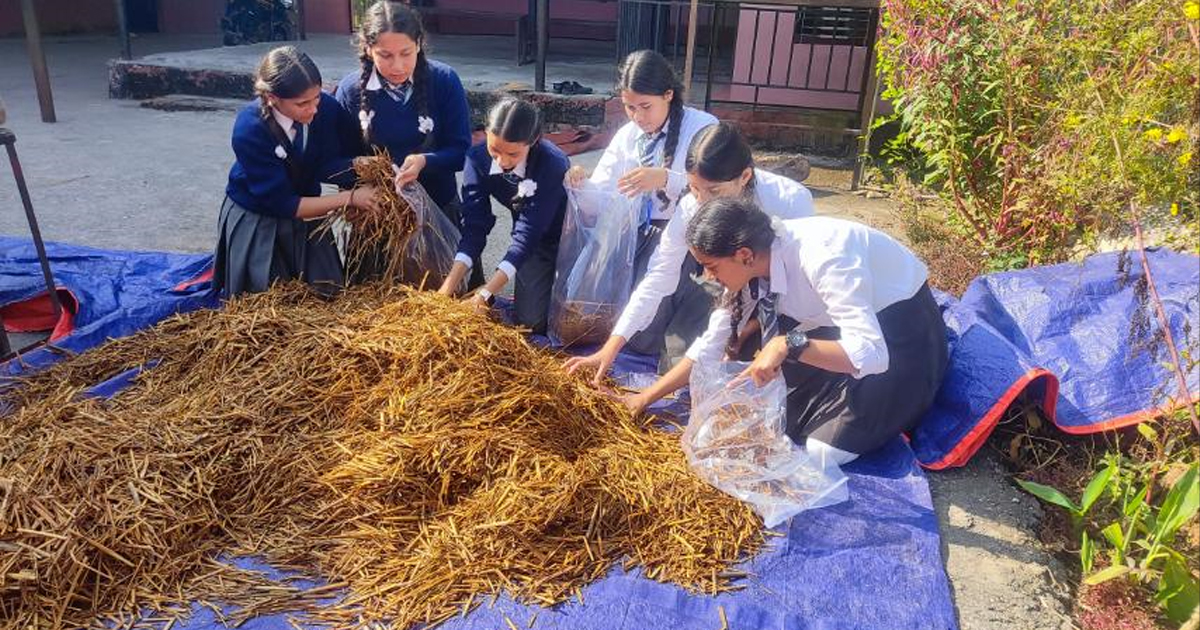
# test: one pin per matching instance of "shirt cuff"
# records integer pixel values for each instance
(464, 259)
(508, 269)
(863, 356)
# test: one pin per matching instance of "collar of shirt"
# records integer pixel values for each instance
(779, 270)
(518, 170)
(377, 82)
(288, 125)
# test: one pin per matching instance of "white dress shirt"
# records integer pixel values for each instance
(777, 195)
(621, 156)
(831, 272)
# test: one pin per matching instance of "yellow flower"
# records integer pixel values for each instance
(1153, 134)
(1192, 10)
(1185, 159)
(1176, 135)
(1073, 121)
(1174, 209)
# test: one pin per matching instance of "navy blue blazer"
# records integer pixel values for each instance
(259, 180)
(539, 222)
(395, 126)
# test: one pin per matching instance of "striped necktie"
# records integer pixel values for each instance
(398, 93)
(768, 318)
(647, 146)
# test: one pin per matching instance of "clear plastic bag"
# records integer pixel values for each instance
(595, 266)
(735, 440)
(429, 253)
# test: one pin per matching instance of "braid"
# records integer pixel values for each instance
(675, 116)
(420, 96)
(364, 103)
(674, 123)
(736, 307)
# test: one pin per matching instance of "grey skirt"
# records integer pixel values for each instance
(256, 250)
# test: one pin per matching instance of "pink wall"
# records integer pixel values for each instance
(60, 16)
(791, 81)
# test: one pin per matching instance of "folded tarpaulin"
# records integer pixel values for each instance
(105, 293)
(1081, 339)
(870, 563)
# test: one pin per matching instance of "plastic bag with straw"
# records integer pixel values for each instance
(735, 441)
(594, 274)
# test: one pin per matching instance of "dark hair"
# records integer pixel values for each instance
(393, 17)
(720, 228)
(648, 72)
(719, 153)
(284, 72)
(515, 120)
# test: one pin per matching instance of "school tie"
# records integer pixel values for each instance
(511, 177)
(398, 93)
(647, 145)
(768, 319)
(298, 141)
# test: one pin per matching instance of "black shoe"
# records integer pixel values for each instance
(570, 87)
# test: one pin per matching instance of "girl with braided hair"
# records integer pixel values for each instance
(524, 172)
(413, 106)
(866, 351)
(719, 164)
(646, 159)
(286, 143)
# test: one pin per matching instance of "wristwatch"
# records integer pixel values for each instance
(797, 341)
(487, 296)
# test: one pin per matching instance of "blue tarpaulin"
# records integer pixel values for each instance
(1080, 338)
(872, 562)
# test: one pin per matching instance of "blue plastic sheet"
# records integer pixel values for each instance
(871, 563)
(1075, 337)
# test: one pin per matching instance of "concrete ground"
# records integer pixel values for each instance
(113, 174)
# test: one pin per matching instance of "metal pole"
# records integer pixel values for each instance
(543, 42)
(690, 57)
(300, 25)
(37, 57)
(123, 30)
(10, 142)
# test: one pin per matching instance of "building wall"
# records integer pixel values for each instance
(204, 16)
(60, 17)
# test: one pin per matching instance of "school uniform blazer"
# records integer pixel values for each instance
(537, 225)
(394, 125)
(621, 156)
(832, 272)
(777, 196)
(259, 180)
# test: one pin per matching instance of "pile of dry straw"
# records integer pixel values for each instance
(417, 456)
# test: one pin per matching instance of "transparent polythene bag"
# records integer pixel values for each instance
(735, 441)
(430, 251)
(594, 270)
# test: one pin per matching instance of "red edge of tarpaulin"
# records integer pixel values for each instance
(37, 313)
(974, 440)
(205, 276)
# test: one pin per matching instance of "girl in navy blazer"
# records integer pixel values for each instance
(524, 172)
(286, 144)
(413, 106)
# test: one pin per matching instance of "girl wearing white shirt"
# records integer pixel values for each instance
(869, 349)
(646, 158)
(719, 164)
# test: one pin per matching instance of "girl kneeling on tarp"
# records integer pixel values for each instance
(523, 171)
(867, 354)
(286, 144)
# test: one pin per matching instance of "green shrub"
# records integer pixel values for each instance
(1044, 122)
